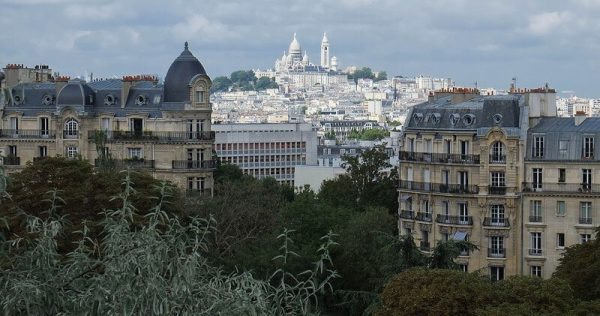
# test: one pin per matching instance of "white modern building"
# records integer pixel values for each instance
(267, 150)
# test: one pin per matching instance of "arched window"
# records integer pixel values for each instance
(71, 128)
(497, 153)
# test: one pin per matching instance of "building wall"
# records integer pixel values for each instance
(267, 150)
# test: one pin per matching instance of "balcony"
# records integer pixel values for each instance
(496, 253)
(116, 136)
(70, 134)
(454, 220)
(582, 220)
(12, 161)
(535, 218)
(561, 187)
(193, 164)
(535, 252)
(127, 163)
(407, 214)
(198, 193)
(27, 133)
(35, 159)
(425, 217)
(424, 246)
(438, 187)
(495, 190)
(497, 159)
(496, 222)
(439, 158)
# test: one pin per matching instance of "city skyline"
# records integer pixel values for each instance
(489, 43)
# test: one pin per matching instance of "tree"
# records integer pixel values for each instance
(374, 134)
(373, 186)
(382, 75)
(220, 84)
(155, 268)
(435, 292)
(265, 83)
(84, 194)
(581, 268)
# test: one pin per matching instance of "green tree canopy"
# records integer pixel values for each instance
(580, 266)
(220, 84)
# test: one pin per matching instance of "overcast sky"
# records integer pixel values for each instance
(485, 41)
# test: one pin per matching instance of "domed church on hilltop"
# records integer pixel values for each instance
(132, 122)
(294, 70)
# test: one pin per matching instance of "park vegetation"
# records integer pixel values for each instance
(242, 80)
(75, 240)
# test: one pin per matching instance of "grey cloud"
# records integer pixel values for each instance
(487, 41)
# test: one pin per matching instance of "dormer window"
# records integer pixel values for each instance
(200, 95)
(141, 100)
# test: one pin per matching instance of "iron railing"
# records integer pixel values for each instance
(439, 157)
(561, 187)
(454, 220)
(496, 252)
(12, 161)
(126, 163)
(27, 133)
(438, 187)
(153, 135)
(423, 216)
(496, 222)
(407, 214)
(193, 164)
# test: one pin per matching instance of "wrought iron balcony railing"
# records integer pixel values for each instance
(439, 157)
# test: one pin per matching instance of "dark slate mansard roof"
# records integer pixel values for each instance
(556, 129)
(105, 95)
(478, 114)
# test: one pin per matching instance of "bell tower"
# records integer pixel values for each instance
(325, 51)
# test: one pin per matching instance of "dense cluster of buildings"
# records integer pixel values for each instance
(511, 171)
(503, 172)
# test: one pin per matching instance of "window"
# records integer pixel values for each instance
(560, 208)
(44, 126)
(497, 215)
(560, 240)
(585, 238)
(538, 147)
(196, 184)
(588, 147)
(426, 208)
(407, 231)
(411, 145)
(563, 147)
(12, 150)
(14, 125)
(535, 212)
(463, 213)
(497, 152)
(562, 175)
(448, 146)
(445, 208)
(464, 148)
(42, 151)
(71, 128)
(536, 244)
(105, 122)
(496, 247)
(463, 179)
(136, 125)
(445, 177)
(497, 273)
(586, 180)
(195, 129)
(464, 267)
(537, 179)
(200, 96)
(585, 212)
(498, 179)
(134, 153)
(536, 271)
(428, 146)
(72, 152)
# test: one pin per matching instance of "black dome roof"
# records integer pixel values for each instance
(182, 70)
(76, 92)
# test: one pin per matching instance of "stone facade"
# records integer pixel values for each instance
(164, 129)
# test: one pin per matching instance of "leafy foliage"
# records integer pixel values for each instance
(581, 268)
(242, 80)
(158, 267)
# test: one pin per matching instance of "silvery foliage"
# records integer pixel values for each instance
(145, 269)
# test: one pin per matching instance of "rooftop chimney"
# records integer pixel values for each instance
(580, 116)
